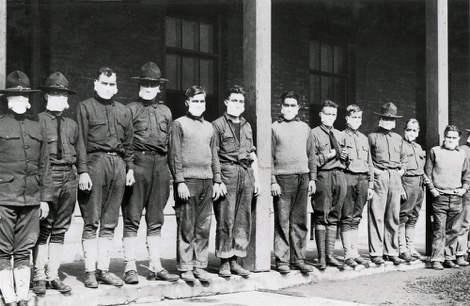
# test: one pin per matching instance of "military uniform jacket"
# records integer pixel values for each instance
(25, 173)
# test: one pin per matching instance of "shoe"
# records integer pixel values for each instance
(333, 262)
(164, 275)
(224, 269)
(235, 268)
(302, 267)
(188, 276)
(130, 277)
(377, 260)
(90, 280)
(405, 256)
(351, 262)
(108, 278)
(39, 287)
(461, 261)
(58, 285)
(23, 303)
(202, 275)
(417, 256)
(437, 265)
(362, 261)
(450, 264)
(283, 269)
(11, 304)
(396, 261)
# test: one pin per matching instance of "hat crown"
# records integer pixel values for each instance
(57, 80)
(389, 110)
(18, 79)
(150, 71)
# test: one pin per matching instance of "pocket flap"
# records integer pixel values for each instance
(6, 178)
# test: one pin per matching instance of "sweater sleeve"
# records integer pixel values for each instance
(174, 153)
(273, 148)
(466, 174)
(428, 168)
(312, 161)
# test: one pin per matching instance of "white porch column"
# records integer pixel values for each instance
(3, 42)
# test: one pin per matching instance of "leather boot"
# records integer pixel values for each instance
(7, 286)
(320, 235)
(330, 247)
(22, 279)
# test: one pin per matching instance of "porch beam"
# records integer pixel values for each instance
(257, 81)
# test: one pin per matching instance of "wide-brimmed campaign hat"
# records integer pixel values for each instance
(57, 81)
(17, 82)
(389, 110)
(150, 72)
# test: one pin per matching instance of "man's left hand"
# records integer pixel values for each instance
(44, 210)
(216, 191)
(460, 191)
(257, 189)
(312, 188)
(370, 193)
(130, 178)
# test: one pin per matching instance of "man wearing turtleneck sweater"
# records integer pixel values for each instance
(151, 120)
(104, 153)
(328, 200)
(360, 184)
(292, 181)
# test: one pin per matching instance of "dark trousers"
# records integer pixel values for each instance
(409, 209)
(356, 197)
(19, 228)
(150, 191)
(100, 206)
(194, 222)
(290, 219)
(445, 211)
(64, 192)
(233, 212)
(327, 202)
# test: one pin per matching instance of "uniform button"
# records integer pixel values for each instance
(1, 180)
(24, 134)
(26, 147)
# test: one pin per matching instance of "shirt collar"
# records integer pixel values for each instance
(52, 115)
(104, 101)
(146, 103)
(325, 129)
(444, 147)
(242, 120)
(351, 131)
(282, 119)
(383, 131)
(200, 118)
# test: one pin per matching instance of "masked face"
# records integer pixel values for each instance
(451, 140)
(387, 124)
(57, 103)
(328, 116)
(148, 91)
(354, 121)
(106, 87)
(235, 104)
(196, 105)
(411, 132)
(289, 109)
(18, 104)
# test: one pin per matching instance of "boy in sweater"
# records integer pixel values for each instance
(195, 167)
(292, 181)
(447, 168)
(234, 142)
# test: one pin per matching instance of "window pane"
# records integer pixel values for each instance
(207, 75)
(190, 35)
(206, 43)
(326, 58)
(327, 88)
(338, 60)
(340, 91)
(173, 71)
(190, 72)
(173, 32)
(315, 92)
(315, 55)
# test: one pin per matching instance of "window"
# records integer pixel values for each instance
(190, 54)
(328, 73)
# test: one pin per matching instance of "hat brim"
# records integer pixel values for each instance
(47, 88)
(389, 116)
(150, 79)
(16, 90)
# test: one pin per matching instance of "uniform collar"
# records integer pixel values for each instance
(242, 120)
(104, 101)
(52, 115)
(147, 103)
(351, 131)
(200, 118)
(383, 131)
(326, 129)
(282, 119)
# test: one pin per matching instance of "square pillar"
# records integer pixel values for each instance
(3, 42)
(257, 82)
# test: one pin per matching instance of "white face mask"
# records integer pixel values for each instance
(18, 104)
(387, 125)
(353, 123)
(328, 116)
(235, 109)
(57, 103)
(289, 113)
(411, 136)
(196, 109)
(149, 93)
(109, 89)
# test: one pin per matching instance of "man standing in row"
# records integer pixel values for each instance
(239, 170)
(25, 178)
(328, 200)
(104, 152)
(151, 121)
(384, 210)
(62, 134)
(360, 183)
(292, 181)
(195, 167)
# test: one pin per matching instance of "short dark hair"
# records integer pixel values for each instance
(104, 71)
(289, 94)
(194, 90)
(236, 89)
(329, 103)
(412, 120)
(353, 108)
(451, 128)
